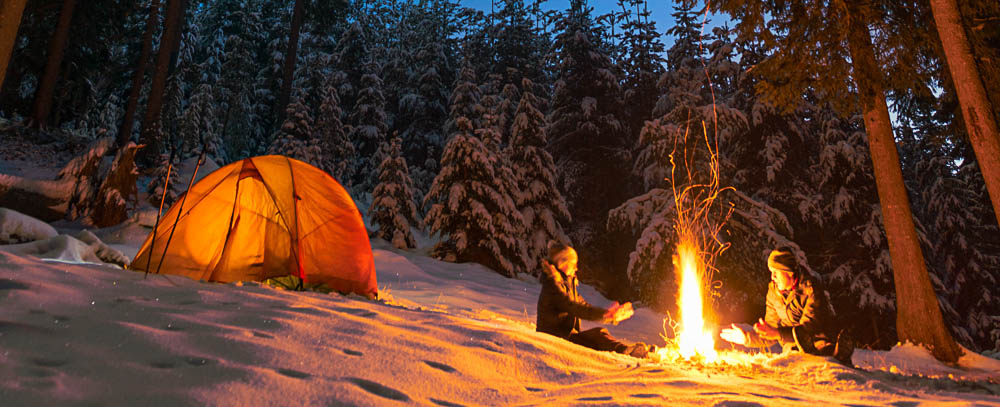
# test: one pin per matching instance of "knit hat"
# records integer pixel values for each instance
(559, 251)
(782, 259)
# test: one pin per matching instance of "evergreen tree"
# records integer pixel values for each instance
(585, 131)
(297, 137)
(199, 125)
(350, 55)
(541, 205)
(368, 129)
(393, 208)
(471, 207)
(642, 63)
(240, 33)
(424, 110)
(336, 149)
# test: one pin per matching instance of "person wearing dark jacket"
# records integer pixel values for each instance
(560, 307)
(797, 315)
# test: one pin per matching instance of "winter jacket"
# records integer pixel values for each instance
(560, 307)
(800, 313)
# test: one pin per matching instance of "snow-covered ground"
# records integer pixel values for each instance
(76, 332)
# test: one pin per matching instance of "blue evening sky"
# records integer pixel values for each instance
(660, 11)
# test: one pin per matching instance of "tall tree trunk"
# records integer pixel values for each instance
(125, 131)
(47, 86)
(150, 129)
(918, 316)
(10, 20)
(976, 109)
(288, 69)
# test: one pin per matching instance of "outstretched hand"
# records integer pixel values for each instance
(734, 335)
(764, 330)
(618, 312)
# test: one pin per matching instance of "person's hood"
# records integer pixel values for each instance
(552, 273)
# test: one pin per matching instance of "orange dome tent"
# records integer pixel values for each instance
(260, 218)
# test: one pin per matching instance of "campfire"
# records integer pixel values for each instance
(697, 247)
(693, 340)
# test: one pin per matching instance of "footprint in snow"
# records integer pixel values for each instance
(352, 352)
(440, 366)
(47, 362)
(305, 310)
(262, 335)
(601, 398)
(645, 396)
(768, 396)
(734, 403)
(379, 389)
(172, 327)
(356, 312)
(11, 284)
(446, 403)
(199, 361)
(163, 364)
(294, 373)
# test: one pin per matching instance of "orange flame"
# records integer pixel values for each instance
(693, 338)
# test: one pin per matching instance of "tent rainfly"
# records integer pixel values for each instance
(261, 218)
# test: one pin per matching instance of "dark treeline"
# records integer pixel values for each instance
(500, 130)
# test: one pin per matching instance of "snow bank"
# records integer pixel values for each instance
(85, 247)
(16, 227)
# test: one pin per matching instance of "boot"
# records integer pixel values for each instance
(637, 350)
(844, 349)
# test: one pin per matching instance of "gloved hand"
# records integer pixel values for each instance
(734, 335)
(618, 312)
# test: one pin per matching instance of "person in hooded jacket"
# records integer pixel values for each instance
(797, 315)
(560, 307)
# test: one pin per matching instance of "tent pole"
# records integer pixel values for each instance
(180, 209)
(232, 214)
(163, 198)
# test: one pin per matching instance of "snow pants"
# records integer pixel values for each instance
(598, 339)
(839, 345)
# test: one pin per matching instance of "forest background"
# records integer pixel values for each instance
(497, 130)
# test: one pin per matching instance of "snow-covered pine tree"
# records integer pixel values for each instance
(979, 269)
(585, 131)
(424, 111)
(509, 98)
(240, 127)
(337, 151)
(350, 55)
(519, 45)
(506, 183)
(368, 128)
(539, 200)
(199, 125)
(961, 242)
(393, 208)
(297, 136)
(842, 230)
(155, 188)
(423, 103)
(471, 208)
(642, 63)
(465, 101)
